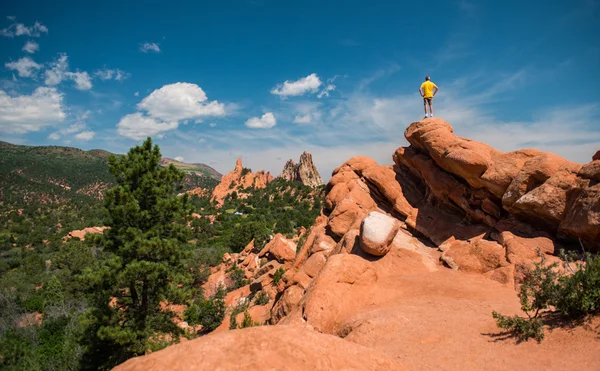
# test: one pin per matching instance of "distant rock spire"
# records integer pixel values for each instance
(304, 172)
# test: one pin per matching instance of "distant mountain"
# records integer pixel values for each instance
(30, 174)
(199, 168)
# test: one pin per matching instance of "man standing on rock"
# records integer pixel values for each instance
(428, 90)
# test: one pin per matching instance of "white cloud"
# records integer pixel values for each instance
(25, 66)
(73, 128)
(59, 71)
(108, 74)
(201, 140)
(180, 101)
(136, 94)
(326, 90)
(56, 73)
(303, 112)
(178, 158)
(78, 126)
(25, 113)
(19, 29)
(82, 80)
(149, 47)
(137, 126)
(302, 119)
(212, 124)
(306, 84)
(85, 135)
(11, 17)
(265, 122)
(31, 47)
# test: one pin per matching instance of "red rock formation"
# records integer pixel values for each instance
(238, 180)
(81, 233)
(304, 172)
(452, 228)
(264, 348)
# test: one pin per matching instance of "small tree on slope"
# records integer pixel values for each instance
(147, 229)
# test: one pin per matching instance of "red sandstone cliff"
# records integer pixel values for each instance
(410, 260)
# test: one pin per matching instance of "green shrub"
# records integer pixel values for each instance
(242, 306)
(34, 303)
(207, 312)
(262, 298)
(238, 276)
(522, 328)
(277, 276)
(579, 293)
(247, 321)
(573, 296)
(301, 242)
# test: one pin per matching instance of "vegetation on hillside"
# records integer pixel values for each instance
(71, 304)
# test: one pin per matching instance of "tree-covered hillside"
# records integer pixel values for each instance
(67, 304)
(49, 174)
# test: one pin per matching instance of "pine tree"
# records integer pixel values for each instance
(147, 223)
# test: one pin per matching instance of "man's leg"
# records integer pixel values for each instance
(425, 106)
(431, 107)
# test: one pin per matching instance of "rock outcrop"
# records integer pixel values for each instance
(237, 181)
(265, 348)
(304, 171)
(411, 259)
(530, 192)
(82, 232)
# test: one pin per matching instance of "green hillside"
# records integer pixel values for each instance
(202, 169)
(50, 174)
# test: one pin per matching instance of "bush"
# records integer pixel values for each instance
(522, 328)
(238, 276)
(247, 321)
(573, 296)
(579, 293)
(262, 298)
(277, 276)
(241, 307)
(301, 242)
(209, 313)
(245, 232)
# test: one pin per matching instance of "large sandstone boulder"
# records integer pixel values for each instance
(377, 232)
(280, 249)
(264, 348)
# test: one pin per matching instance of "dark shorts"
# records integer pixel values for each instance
(427, 100)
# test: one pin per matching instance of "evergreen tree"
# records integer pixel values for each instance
(147, 223)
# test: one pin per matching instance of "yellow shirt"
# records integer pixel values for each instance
(427, 87)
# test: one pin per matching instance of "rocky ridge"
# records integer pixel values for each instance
(411, 259)
(238, 180)
(304, 171)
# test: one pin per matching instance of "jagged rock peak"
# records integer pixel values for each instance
(304, 171)
(238, 165)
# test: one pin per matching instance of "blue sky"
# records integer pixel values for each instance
(266, 80)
